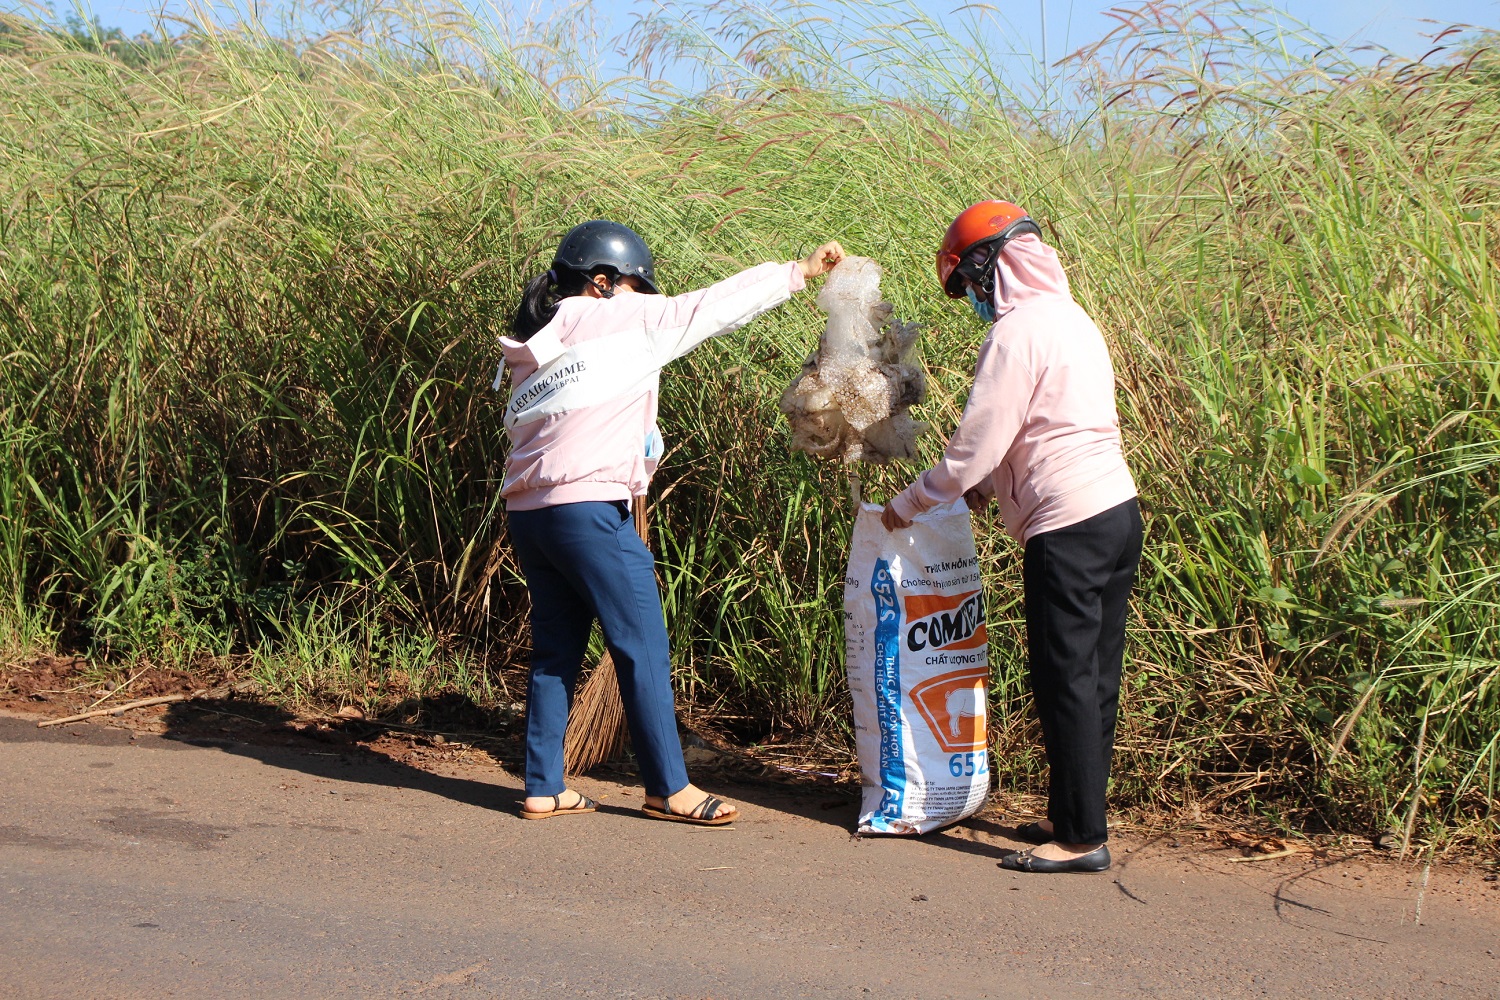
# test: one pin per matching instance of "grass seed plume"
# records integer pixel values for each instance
(851, 398)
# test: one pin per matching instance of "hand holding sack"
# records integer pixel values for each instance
(918, 662)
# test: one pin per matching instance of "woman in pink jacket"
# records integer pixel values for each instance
(1040, 434)
(591, 336)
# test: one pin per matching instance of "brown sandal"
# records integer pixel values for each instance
(705, 813)
(584, 805)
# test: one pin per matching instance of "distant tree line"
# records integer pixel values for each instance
(92, 36)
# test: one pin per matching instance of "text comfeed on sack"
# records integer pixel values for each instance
(918, 660)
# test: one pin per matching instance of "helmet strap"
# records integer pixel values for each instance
(983, 273)
(607, 293)
(986, 280)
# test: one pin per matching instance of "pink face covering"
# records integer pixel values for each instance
(1027, 269)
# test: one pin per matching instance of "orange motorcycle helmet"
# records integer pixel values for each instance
(989, 224)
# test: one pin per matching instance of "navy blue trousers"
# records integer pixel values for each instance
(1077, 582)
(584, 561)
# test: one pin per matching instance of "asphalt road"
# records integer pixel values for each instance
(151, 867)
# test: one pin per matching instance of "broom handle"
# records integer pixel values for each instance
(642, 527)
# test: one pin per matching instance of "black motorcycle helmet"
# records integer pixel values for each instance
(600, 243)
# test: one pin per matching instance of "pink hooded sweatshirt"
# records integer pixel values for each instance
(1040, 432)
(582, 411)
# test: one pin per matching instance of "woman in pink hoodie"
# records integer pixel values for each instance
(591, 336)
(1040, 434)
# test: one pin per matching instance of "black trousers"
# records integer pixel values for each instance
(1077, 581)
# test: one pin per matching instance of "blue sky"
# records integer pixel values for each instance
(1398, 26)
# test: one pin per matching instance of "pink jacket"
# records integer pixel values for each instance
(1040, 432)
(582, 410)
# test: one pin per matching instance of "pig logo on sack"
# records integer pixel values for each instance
(953, 705)
(951, 631)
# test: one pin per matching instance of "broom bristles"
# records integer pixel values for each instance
(596, 727)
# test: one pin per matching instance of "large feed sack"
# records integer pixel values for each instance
(918, 661)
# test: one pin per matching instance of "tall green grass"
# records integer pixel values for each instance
(250, 288)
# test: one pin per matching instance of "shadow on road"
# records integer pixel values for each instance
(356, 750)
(342, 750)
(336, 752)
(964, 838)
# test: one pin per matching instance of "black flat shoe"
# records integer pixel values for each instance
(1097, 860)
(1033, 833)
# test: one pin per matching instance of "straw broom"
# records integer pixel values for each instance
(596, 726)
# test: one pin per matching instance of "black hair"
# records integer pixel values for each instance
(540, 298)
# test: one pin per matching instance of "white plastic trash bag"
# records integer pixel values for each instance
(854, 392)
(918, 660)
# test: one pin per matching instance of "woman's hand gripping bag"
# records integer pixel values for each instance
(918, 663)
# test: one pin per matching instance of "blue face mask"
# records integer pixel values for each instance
(984, 310)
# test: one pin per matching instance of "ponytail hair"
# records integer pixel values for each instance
(540, 298)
